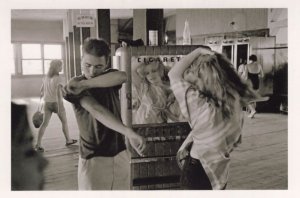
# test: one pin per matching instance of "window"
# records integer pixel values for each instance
(11, 59)
(36, 58)
(51, 52)
(31, 59)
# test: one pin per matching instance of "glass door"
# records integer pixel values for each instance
(242, 54)
(228, 51)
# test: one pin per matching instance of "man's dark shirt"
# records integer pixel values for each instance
(95, 138)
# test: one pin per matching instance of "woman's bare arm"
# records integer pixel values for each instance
(178, 69)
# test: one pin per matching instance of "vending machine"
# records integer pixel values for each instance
(164, 133)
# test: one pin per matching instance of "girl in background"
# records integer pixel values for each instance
(53, 103)
(211, 96)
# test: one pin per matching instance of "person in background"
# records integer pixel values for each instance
(103, 161)
(242, 70)
(211, 96)
(27, 165)
(53, 103)
(254, 73)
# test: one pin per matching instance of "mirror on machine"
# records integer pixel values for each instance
(152, 98)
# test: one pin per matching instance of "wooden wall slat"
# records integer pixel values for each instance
(149, 51)
(77, 57)
(71, 55)
(172, 50)
(166, 152)
(67, 71)
(141, 51)
(164, 50)
(180, 50)
(157, 50)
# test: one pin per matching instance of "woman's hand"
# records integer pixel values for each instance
(179, 68)
(182, 154)
(202, 50)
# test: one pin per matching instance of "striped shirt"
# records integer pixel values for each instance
(213, 137)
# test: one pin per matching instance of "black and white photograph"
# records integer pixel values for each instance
(141, 98)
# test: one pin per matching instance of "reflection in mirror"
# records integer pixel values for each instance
(152, 99)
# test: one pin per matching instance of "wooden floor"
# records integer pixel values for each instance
(260, 162)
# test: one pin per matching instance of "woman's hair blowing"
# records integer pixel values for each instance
(221, 83)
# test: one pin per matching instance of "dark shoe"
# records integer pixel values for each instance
(70, 143)
(39, 149)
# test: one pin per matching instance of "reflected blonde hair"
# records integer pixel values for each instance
(158, 66)
(156, 95)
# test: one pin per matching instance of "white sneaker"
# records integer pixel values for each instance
(251, 115)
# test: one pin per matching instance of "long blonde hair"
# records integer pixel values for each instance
(54, 68)
(221, 83)
(156, 95)
(158, 66)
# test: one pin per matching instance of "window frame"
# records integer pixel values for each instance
(18, 58)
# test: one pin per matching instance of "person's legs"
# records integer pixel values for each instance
(47, 116)
(193, 176)
(121, 171)
(251, 106)
(63, 118)
(95, 173)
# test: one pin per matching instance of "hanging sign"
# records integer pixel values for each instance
(84, 20)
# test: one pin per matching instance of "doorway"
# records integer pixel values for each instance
(228, 50)
(242, 54)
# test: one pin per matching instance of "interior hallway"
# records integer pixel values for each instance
(260, 162)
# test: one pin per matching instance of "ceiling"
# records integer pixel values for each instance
(39, 14)
(60, 14)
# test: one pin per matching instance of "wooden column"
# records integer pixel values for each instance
(140, 25)
(155, 19)
(71, 55)
(67, 56)
(104, 24)
(77, 58)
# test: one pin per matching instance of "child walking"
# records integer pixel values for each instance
(211, 96)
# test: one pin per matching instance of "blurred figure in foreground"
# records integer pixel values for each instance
(27, 165)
